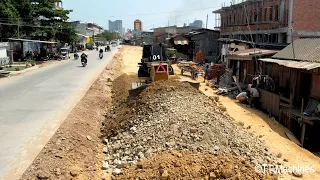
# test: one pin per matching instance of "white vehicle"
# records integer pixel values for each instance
(114, 44)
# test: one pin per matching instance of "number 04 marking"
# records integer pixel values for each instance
(155, 57)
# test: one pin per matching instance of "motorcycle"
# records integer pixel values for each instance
(101, 55)
(84, 62)
(76, 56)
(108, 49)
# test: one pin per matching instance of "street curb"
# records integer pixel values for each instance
(17, 73)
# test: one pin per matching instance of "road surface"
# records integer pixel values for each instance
(33, 106)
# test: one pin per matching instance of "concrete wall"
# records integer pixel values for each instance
(3, 52)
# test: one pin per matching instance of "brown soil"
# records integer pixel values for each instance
(74, 152)
(186, 165)
(261, 125)
(117, 117)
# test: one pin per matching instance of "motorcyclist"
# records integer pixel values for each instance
(101, 52)
(108, 48)
(84, 56)
(76, 55)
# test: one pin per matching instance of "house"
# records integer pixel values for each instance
(269, 21)
(21, 47)
(206, 40)
(147, 37)
(4, 59)
(87, 31)
(290, 89)
(183, 44)
(162, 38)
(170, 31)
(241, 62)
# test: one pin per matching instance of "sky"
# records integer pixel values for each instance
(152, 13)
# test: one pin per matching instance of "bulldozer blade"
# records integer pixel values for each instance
(136, 89)
(193, 84)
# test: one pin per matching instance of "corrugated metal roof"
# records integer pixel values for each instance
(29, 40)
(293, 64)
(234, 40)
(256, 51)
(307, 49)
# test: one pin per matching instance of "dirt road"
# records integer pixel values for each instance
(260, 124)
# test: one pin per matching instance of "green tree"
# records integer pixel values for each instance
(108, 36)
(51, 21)
(67, 34)
(8, 15)
(36, 18)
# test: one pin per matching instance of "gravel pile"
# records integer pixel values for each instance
(187, 165)
(171, 115)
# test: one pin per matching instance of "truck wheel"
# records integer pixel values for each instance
(171, 71)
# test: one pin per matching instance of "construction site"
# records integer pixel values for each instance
(170, 129)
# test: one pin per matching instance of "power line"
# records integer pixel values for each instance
(145, 14)
(11, 24)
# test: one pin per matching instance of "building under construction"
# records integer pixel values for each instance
(269, 21)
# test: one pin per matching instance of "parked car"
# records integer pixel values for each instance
(64, 52)
(89, 46)
(114, 44)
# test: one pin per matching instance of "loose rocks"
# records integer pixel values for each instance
(192, 166)
(171, 115)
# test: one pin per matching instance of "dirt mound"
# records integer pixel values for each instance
(121, 87)
(186, 165)
(171, 115)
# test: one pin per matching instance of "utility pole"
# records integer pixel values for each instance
(168, 30)
(18, 29)
(207, 22)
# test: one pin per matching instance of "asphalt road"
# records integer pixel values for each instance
(33, 106)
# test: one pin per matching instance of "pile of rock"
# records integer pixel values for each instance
(172, 115)
(187, 165)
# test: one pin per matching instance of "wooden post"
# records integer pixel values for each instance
(302, 134)
(303, 124)
(290, 112)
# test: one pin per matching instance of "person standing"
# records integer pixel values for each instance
(207, 73)
(218, 76)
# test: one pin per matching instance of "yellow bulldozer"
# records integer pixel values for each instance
(154, 66)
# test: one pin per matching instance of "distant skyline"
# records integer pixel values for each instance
(158, 14)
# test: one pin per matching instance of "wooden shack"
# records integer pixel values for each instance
(293, 83)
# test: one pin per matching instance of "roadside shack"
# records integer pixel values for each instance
(290, 89)
(22, 48)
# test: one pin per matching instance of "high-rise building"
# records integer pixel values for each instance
(138, 25)
(115, 26)
(196, 23)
